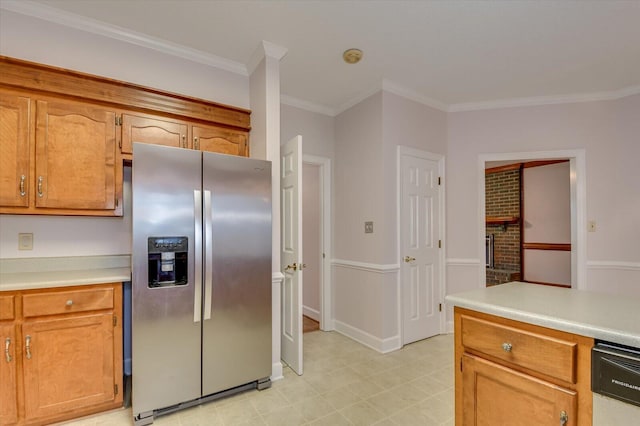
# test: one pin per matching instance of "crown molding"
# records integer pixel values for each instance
(358, 98)
(93, 26)
(307, 106)
(546, 100)
(407, 93)
(266, 50)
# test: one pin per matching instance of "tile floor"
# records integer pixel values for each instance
(344, 383)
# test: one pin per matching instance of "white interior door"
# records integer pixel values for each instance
(291, 256)
(420, 237)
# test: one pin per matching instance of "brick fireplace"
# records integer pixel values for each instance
(502, 195)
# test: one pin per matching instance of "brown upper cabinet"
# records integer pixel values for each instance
(145, 128)
(16, 127)
(64, 136)
(152, 130)
(72, 166)
(216, 139)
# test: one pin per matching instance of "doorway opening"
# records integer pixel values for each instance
(316, 242)
(530, 253)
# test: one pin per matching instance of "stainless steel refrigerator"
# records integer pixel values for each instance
(201, 277)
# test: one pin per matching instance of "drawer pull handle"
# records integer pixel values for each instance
(564, 418)
(7, 344)
(27, 346)
(69, 302)
(507, 347)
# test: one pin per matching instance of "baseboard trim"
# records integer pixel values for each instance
(276, 371)
(380, 345)
(314, 314)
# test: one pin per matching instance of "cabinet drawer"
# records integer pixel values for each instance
(62, 302)
(7, 310)
(544, 354)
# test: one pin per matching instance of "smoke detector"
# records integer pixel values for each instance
(352, 56)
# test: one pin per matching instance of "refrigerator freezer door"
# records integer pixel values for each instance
(165, 326)
(237, 338)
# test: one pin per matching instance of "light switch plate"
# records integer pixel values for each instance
(368, 227)
(25, 241)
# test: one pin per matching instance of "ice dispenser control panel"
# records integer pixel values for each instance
(168, 261)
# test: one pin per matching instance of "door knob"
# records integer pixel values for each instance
(409, 259)
(292, 267)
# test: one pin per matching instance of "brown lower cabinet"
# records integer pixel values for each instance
(62, 353)
(513, 373)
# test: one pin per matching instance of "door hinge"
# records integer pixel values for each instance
(439, 243)
(439, 307)
(115, 320)
(115, 389)
(439, 180)
(118, 121)
(460, 364)
(323, 255)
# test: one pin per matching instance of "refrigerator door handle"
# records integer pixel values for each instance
(197, 211)
(208, 255)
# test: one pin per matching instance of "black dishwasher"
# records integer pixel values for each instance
(615, 371)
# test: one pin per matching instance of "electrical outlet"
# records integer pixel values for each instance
(591, 226)
(25, 241)
(368, 227)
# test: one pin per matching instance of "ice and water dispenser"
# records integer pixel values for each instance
(168, 260)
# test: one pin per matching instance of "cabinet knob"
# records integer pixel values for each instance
(69, 302)
(507, 347)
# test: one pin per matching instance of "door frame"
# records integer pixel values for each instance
(326, 320)
(440, 159)
(578, 189)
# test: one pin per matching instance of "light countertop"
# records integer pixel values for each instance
(598, 315)
(33, 273)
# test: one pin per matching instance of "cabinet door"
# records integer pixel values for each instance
(68, 364)
(223, 141)
(153, 130)
(8, 371)
(75, 156)
(496, 395)
(15, 123)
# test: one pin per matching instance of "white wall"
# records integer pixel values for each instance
(607, 131)
(366, 266)
(317, 130)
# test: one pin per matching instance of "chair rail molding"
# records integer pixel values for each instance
(365, 266)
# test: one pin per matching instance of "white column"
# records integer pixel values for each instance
(264, 93)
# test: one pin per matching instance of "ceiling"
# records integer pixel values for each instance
(449, 54)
